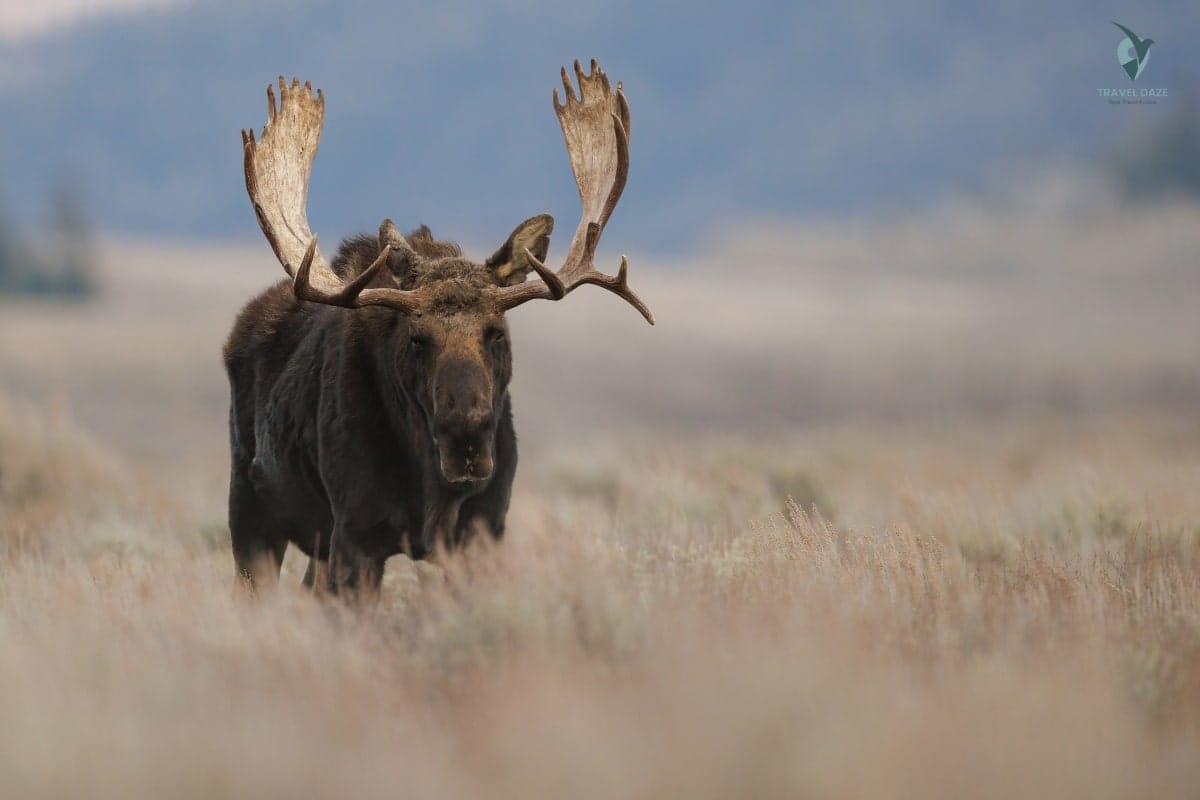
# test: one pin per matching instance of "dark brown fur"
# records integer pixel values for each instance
(357, 434)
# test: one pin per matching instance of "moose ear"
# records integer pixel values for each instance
(402, 257)
(509, 265)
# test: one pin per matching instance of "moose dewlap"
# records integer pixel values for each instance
(369, 410)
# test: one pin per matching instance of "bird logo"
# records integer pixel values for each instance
(1132, 52)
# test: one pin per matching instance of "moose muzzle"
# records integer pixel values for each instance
(464, 422)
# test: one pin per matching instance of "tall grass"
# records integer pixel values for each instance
(625, 642)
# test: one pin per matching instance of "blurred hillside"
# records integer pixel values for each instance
(442, 114)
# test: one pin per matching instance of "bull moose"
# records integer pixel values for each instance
(370, 412)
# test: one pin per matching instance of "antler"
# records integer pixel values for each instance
(278, 168)
(596, 129)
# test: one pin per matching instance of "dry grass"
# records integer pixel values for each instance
(973, 571)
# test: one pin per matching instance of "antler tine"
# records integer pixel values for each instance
(555, 286)
(568, 88)
(347, 293)
(355, 294)
(619, 285)
(595, 127)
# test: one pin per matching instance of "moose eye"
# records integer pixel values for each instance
(418, 341)
(495, 335)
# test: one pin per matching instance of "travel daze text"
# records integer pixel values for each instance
(1131, 92)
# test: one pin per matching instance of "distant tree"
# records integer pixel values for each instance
(60, 263)
(5, 237)
(13, 253)
(70, 269)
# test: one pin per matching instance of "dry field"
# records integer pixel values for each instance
(906, 510)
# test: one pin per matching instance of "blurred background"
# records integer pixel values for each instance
(841, 214)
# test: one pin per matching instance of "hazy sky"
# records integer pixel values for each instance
(25, 18)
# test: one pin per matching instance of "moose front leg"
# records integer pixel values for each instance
(441, 522)
(355, 572)
(259, 540)
(317, 574)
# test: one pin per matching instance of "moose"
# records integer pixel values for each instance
(370, 413)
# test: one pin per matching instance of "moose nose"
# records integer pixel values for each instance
(465, 469)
